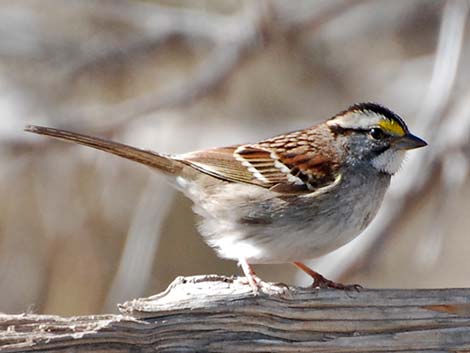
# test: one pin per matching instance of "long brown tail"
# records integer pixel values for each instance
(152, 159)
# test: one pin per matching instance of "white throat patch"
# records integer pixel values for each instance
(389, 162)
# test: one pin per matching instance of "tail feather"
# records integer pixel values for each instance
(149, 158)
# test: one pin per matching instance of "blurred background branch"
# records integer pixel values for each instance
(80, 231)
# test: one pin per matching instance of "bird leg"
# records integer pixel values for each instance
(257, 284)
(253, 280)
(321, 282)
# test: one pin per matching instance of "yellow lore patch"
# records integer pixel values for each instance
(392, 127)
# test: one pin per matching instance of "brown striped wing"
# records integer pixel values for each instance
(292, 170)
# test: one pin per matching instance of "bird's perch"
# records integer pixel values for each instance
(220, 314)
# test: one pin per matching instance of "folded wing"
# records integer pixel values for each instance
(297, 169)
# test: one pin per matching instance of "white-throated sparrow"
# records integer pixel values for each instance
(289, 198)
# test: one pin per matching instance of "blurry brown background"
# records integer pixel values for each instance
(81, 230)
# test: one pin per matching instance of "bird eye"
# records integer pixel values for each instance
(376, 133)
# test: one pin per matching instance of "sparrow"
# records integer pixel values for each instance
(289, 198)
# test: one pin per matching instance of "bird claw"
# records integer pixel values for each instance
(322, 282)
(259, 286)
(253, 281)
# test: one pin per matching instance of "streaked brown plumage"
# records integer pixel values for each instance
(288, 198)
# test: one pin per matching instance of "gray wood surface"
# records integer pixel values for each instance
(220, 314)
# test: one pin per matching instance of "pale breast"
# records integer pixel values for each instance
(242, 220)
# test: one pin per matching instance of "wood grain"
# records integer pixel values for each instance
(220, 314)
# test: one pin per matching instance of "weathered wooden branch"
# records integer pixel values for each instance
(220, 314)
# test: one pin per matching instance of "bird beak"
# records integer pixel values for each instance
(409, 142)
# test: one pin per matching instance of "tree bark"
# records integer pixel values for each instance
(220, 314)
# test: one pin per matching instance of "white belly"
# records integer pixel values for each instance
(246, 221)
